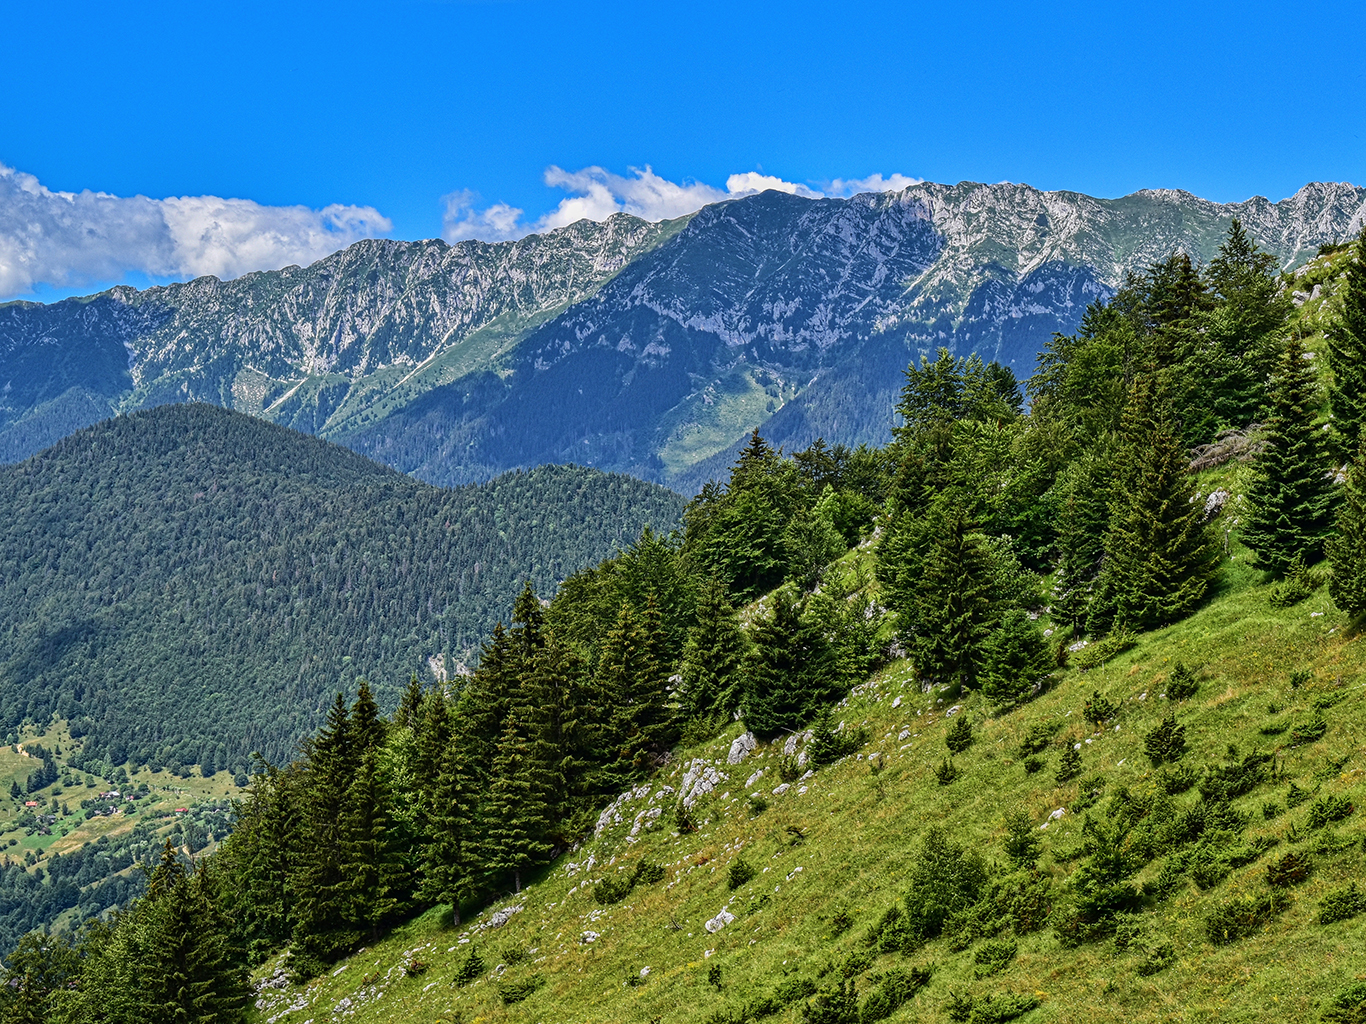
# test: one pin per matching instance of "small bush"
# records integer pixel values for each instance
(758, 803)
(1181, 685)
(959, 736)
(1038, 738)
(1034, 764)
(993, 957)
(1224, 782)
(414, 967)
(714, 976)
(511, 992)
(1271, 809)
(1177, 778)
(1341, 904)
(684, 819)
(989, 1009)
(1310, 732)
(470, 969)
(794, 990)
(789, 769)
(1022, 841)
(834, 1004)
(829, 744)
(1166, 743)
(512, 954)
(1328, 809)
(1069, 766)
(613, 889)
(946, 772)
(1240, 916)
(741, 871)
(1156, 959)
(1091, 790)
(891, 992)
(1294, 796)
(1300, 677)
(1098, 710)
(1097, 654)
(945, 880)
(1298, 584)
(1291, 869)
(1348, 1006)
(841, 921)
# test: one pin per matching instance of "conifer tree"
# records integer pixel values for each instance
(954, 610)
(1290, 501)
(1347, 548)
(712, 657)
(521, 799)
(629, 670)
(367, 728)
(368, 863)
(1015, 656)
(450, 858)
(1347, 354)
(787, 671)
(1160, 558)
(1082, 519)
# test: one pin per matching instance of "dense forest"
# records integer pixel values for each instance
(189, 585)
(993, 511)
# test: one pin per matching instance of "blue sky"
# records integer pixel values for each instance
(386, 111)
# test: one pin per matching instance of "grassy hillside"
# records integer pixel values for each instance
(833, 852)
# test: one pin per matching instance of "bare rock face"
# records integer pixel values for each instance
(741, 748)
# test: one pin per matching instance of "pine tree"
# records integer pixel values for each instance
(367, 861)
(787, 671)
(711, 659)
(1347, 354)
(954, 610)
(1290, 501)
(1160, 558)
(1347, 548)
(1015, 656)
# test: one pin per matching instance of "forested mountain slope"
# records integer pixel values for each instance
(1044, 714)
(190, 584)
(647, 348)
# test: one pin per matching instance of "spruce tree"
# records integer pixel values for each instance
(368, 862)
(629, 670)
(1160, 557)
(953, 605)
(521, 800)
(1347, 354)
(1347, 548)
(1082, 520)
(787, 671)
(712, 657)
(450, 855)
(1015, 656)
(1290, 501)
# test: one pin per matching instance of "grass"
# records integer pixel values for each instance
(835, 848)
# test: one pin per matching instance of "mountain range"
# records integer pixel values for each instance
(648, 348)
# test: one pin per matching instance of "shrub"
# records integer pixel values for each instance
(1341, 904)
(945, 880)
(684, 820)
(993, 957)
(1156, 958)
(1300, 677)
(1291, 869)
(1181, 685)
(988, 1009)
(1098, 710)
(1038, 738)
(891, 992)
(841, 921)
(1294, 796)
(1328, 809)
(512, 954)
(833, 1004)
(789, 770)
(511, 992)
(414, 967)
(758, 803)
(1090, 793)
(1069, 766)
(1034, 763)
(714, 976)
(648, 873)
(959, 736)
(1348, 1006)
(829, 744)
(794, 990)
(1298, 584)
(1309, 732)
(946, 772)
(1097, 654)
(741, 871)
(1022, 840)
(470, 968)
(1240, 916)
(613, 889)
(1176, 778)
(1166, 743)
(1224, 782)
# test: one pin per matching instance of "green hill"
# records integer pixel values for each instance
(834, 853)
(187, 585)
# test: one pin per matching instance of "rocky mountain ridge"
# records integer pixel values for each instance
(649, 348)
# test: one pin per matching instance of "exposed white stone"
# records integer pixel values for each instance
(741, 748)
(719, 921)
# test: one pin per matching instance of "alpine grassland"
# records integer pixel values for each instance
(840, 860)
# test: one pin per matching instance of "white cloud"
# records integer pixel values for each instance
(66, 239)
(872, 183)
(596, 194)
